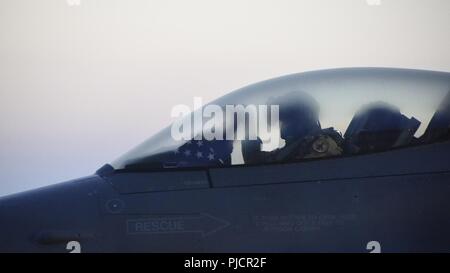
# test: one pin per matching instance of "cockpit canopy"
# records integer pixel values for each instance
(312, 115)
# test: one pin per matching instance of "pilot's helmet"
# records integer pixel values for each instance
(298, 114)
(379, 126)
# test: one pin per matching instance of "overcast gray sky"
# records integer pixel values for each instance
(82, 84)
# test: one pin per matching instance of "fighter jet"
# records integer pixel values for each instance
(349, 160)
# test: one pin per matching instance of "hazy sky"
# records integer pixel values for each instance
(82, 84)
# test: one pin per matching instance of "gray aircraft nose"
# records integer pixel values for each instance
(46, 219)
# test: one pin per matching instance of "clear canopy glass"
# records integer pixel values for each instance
(322, 114)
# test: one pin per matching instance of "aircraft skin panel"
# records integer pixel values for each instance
(394, 162)
(312, 214)
(407, 212)
(159, 181)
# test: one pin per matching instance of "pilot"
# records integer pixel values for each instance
(300, 129)
(379, 126)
